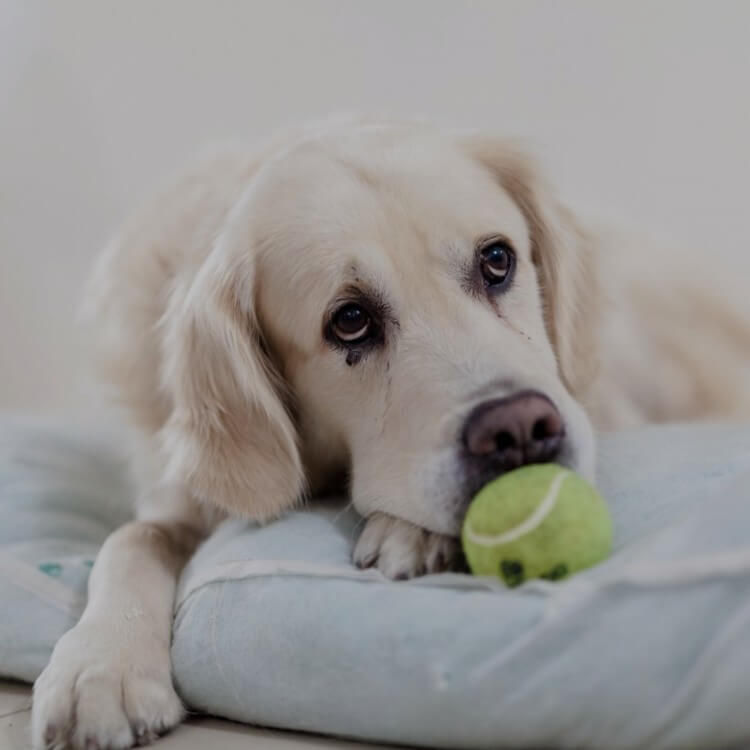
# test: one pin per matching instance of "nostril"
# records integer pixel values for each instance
(504, 441)
(540, 430)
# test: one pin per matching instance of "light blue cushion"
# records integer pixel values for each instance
(62, 491)
(275, 626)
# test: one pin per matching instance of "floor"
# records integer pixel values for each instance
(195, 734)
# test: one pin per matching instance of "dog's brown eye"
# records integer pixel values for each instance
(496, 263)
(351, 324)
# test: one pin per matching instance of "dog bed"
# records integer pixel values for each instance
(274, 626)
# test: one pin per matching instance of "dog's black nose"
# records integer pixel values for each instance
(506, 433)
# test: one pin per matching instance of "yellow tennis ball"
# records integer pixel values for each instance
(539, 521)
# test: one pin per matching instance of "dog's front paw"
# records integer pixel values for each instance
(401, 550)
(99, 693)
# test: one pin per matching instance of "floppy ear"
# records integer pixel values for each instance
(230, 438)
(563, 254)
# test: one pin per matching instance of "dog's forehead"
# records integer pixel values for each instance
(410, 199)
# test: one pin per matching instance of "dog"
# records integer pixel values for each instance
(375, 305)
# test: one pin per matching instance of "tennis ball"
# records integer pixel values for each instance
(539, 521)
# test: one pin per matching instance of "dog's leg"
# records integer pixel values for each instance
(400, 549)
(108, 683)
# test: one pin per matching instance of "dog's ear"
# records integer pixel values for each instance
(563, 253)
(230, 438)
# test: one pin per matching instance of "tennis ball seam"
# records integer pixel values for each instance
(528, 524)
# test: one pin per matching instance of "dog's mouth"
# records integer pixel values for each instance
(475, 477)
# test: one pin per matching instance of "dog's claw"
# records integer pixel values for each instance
(93, 697)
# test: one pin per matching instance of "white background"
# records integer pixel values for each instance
(641, 111)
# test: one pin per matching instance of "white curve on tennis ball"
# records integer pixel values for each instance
(528, 525)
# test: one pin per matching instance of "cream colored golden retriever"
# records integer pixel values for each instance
(406, 311)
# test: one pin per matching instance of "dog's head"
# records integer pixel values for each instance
(408, 309)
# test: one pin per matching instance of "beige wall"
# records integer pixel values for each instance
(641, 110)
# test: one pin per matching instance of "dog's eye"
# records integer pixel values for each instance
(351, 324)
(496, 263)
